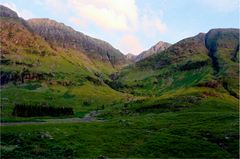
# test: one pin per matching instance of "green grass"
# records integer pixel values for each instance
(206, 130)
(81, 98)
(21, 119)
(159, 82)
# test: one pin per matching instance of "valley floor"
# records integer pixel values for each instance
(206, 130)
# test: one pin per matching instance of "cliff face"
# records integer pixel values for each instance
(159, 47)
(66, 37)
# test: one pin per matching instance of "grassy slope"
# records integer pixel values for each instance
(188, 64)
(169, 77)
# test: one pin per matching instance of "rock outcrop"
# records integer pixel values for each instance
(130, 57)
(159, 47)
(5, 12)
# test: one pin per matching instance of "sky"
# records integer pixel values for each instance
(133, 26)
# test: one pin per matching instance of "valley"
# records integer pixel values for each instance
(65, 94)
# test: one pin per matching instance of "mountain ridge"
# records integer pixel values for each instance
(6, 12)
(191, 54)
(157, 48)
(66, 37)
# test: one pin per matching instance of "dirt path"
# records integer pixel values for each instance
(90, 117)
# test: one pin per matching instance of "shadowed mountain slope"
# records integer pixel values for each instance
(223, 46)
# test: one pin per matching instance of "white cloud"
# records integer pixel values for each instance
(77, 21)
(10, 5)
(108, 14)
(222, 5)
(26, 14)
(55, 6)
(117, 17)
(130, 44)
(120, 15)
(152, 25)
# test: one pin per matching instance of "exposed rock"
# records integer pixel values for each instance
(159, 47)
(130, 57)
(192, 45)
(5, 12)
(222, 38)
(66, 37)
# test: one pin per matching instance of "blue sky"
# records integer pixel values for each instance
(134, 25)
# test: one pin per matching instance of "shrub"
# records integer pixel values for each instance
(23, 110)
(190, 65)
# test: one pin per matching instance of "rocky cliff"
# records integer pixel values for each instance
(64, 36)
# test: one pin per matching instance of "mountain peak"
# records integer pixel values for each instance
(159, 47)
(6, 12)
(130, 57)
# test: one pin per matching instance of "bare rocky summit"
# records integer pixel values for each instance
(130, 57)
(159, 47)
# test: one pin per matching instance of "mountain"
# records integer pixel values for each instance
(6, 12)
(58, 34)
(202, 60)
(36, 70)
(184, 49)
(223, 46)
(159, 47)
(130, 57)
